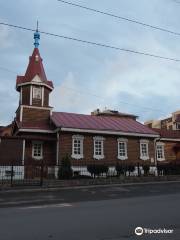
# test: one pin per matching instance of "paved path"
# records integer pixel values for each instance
(107, 213)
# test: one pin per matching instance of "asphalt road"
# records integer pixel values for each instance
(99, 213)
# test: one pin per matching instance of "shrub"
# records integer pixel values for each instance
(65, 170)
(130, 168)
(97, 170)
(146, 169)
(120, 169)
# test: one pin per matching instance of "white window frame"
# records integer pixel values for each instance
(34, 156)
(160, 144)
(124, 141)
(144, 142)
(101, 140)
(37, 93)
(81, 140)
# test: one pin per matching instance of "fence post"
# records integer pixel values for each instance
(42, 172)
(12, 173)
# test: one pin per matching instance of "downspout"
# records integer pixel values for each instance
(57, 146)
(23, 153)
(155, 151)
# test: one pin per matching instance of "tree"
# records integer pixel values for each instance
(65, 170)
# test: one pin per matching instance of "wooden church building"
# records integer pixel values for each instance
(38, 134)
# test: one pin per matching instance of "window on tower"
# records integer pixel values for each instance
(37, 93)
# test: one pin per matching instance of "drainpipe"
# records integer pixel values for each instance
(23, 153)
(57, 149)
(155, 151)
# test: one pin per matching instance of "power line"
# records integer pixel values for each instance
(120, 17)
(95, 95)
(94, 43)
(7, 70)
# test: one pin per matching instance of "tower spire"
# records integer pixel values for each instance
(36, 37)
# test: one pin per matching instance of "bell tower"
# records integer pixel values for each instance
(34, 89)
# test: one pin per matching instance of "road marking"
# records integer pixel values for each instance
(29, 201)
(61, 205)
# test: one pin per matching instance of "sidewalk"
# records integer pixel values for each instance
(54, 185)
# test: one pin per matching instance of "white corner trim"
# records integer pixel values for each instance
(107, 132)
(21, 113)
(42, 103)
(30, 103)
(21, 92)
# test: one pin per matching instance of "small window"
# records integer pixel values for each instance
(144, 152)
(77, 146)
(160, 151)
(98, 147)
(37, 150)
(36, 92)
(122, 149)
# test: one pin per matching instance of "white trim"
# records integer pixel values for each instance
(37, 93)
(171, 139)
(163, 154)
(21, 113)
(34, 83)
(57, 150)
(23, 153)
(122, 140)
(146, 142)
(100, 139)
(21, 92)
(37, 79)
(45, 108)
(78, 130)
(35, 130)
(30, 103)
(37, 157)
(42, 103)
(81, 139)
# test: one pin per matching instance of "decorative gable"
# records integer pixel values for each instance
(37, 79)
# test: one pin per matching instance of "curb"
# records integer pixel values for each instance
(51, 189)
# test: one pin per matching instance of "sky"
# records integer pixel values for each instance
(87, 77)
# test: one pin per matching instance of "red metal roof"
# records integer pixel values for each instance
(89, 122)
(35, 67)
(164, 133)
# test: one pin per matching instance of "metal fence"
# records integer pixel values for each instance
(37, 175)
